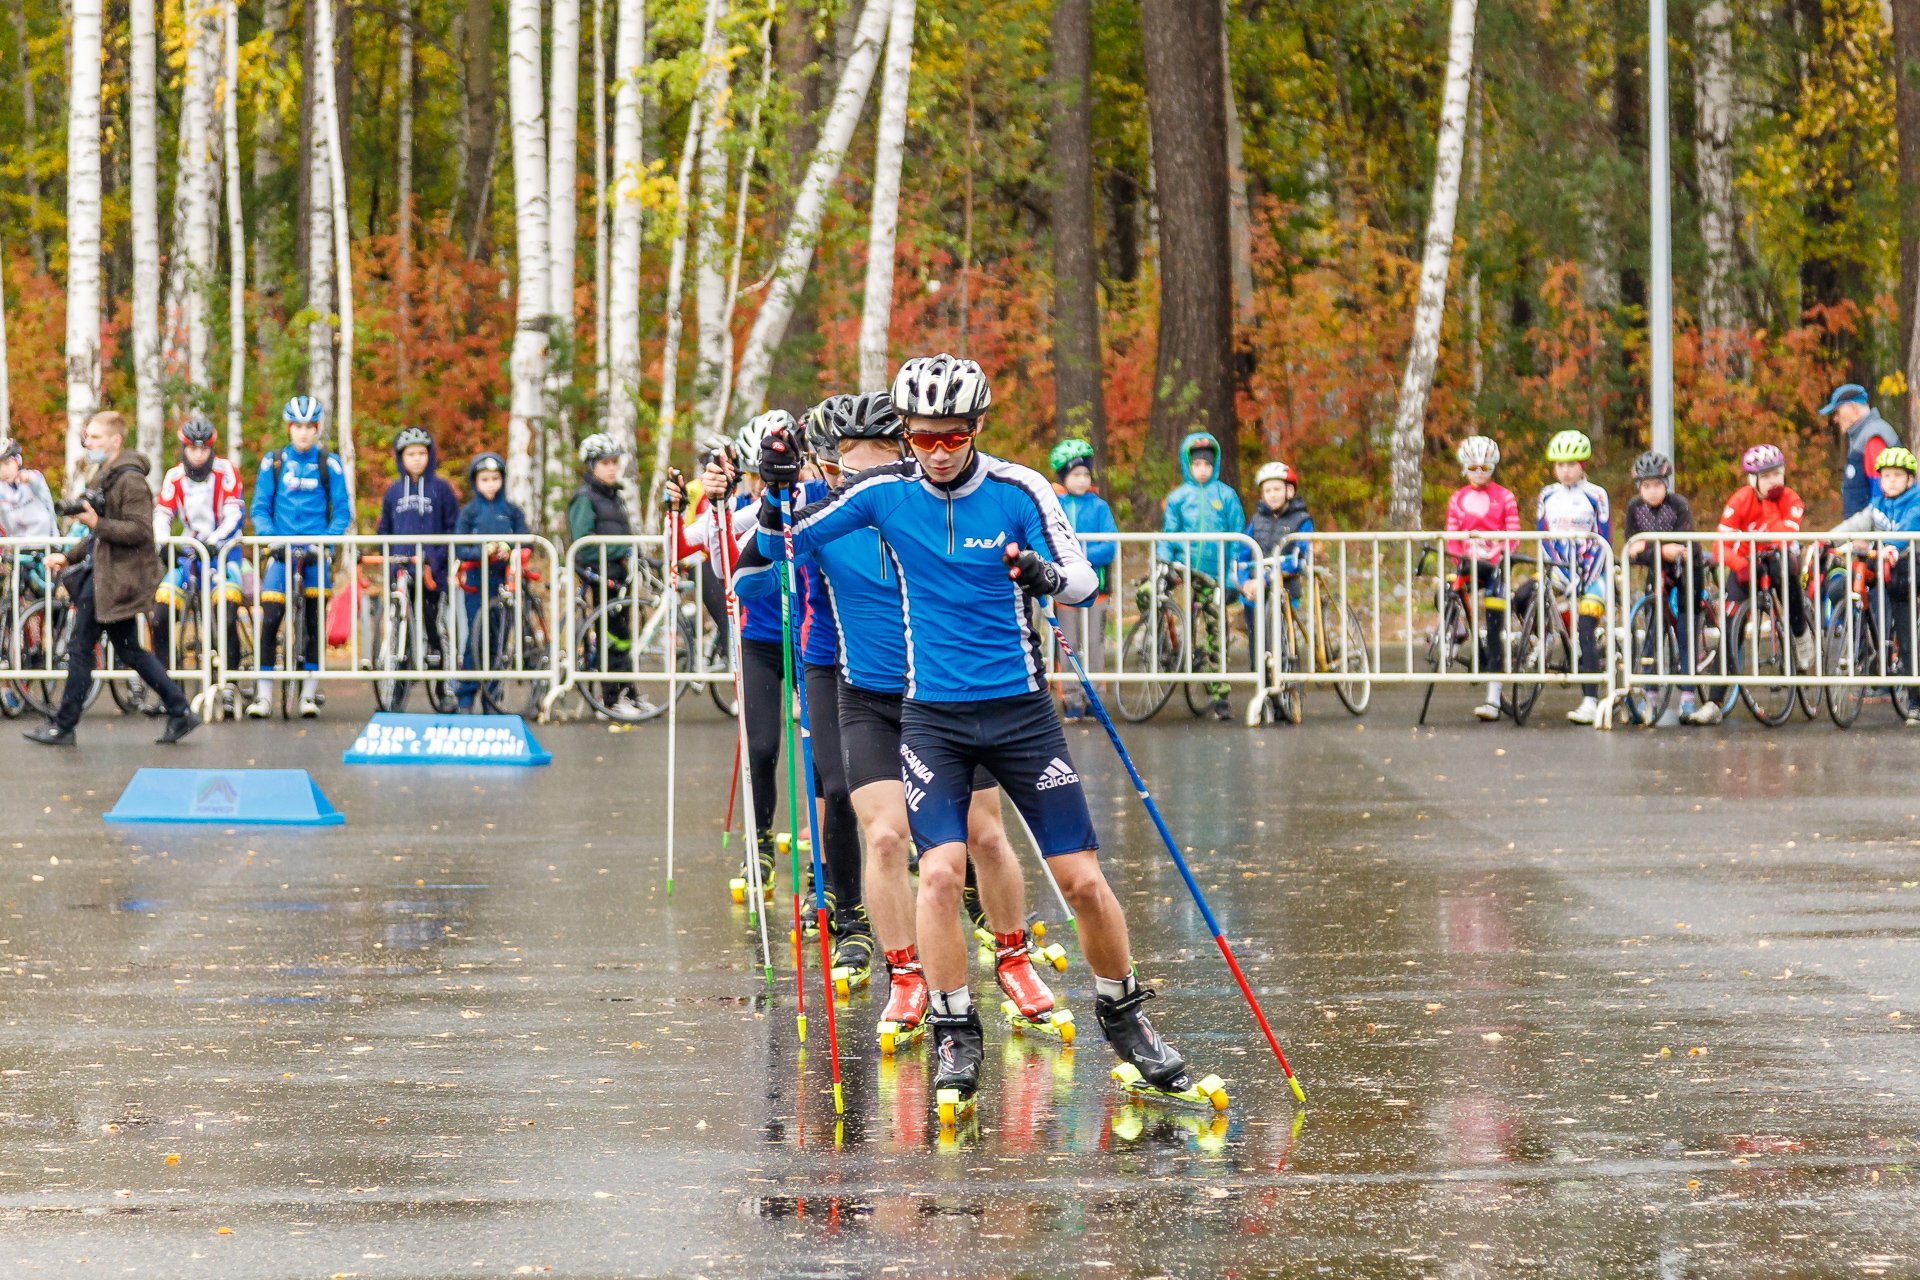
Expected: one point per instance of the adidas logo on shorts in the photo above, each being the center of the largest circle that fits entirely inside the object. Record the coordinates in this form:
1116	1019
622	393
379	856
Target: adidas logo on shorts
1058	773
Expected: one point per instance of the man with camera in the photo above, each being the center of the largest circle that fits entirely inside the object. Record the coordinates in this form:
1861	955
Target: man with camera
110	578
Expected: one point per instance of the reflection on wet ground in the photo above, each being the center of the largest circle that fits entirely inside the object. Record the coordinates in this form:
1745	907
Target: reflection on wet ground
1564	1004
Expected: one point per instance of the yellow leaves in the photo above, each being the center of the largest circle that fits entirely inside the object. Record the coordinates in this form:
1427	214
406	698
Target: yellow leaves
173	1157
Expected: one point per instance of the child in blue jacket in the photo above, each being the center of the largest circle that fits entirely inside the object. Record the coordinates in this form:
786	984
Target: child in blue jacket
486	518
1204	505
1090	517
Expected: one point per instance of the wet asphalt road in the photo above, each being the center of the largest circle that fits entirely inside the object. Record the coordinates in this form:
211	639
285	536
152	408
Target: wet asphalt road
1565	1004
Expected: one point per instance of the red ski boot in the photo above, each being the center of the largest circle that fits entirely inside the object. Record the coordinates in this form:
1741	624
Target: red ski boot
1030	1004
904	1020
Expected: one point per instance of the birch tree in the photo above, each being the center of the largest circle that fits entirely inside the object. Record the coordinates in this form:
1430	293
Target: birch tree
563	147
6	406
403	196
623	259
1410	423
83	225
722	399
599	214
236	234
710	280
143	128
266	138
528	364
677	265
319	179
334	192
198	182
890	145
1714	162
796	250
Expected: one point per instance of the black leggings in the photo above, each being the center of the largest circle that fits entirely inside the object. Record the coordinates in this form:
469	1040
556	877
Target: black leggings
760	707
839	829
271	614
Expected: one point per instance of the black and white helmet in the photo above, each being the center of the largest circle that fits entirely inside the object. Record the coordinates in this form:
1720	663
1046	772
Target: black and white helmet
746	445
411	436
597	446
826	424
871	417
941	386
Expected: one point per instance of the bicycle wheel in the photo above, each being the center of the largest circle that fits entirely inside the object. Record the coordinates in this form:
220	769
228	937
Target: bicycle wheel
518	643
33	641
393	651
1152	647
1343	644
601	652
1760	654
1848	653
1655	652
1290	697
1541	649
720	687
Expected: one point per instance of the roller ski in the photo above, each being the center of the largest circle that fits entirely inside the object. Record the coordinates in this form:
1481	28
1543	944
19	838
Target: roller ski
810	918
1055	954
1150	1067
1029	1005
853	954
904	1020
959	1043
738	885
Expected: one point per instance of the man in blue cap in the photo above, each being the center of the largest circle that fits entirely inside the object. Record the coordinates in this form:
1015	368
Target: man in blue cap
1867	434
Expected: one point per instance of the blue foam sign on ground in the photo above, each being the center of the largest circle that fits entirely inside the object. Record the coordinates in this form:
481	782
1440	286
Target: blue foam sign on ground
393	737
225	797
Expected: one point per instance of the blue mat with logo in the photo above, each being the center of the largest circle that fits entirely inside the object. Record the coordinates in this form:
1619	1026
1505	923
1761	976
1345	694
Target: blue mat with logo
226	797
402	738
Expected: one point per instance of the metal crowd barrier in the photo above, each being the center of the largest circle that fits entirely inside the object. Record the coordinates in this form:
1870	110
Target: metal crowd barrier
36	617
508	656
1406	608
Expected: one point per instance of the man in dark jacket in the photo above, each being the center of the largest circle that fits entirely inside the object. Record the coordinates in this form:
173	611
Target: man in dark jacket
1866	434
112	581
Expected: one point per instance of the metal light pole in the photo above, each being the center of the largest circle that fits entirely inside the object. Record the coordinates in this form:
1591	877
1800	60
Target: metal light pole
1660	308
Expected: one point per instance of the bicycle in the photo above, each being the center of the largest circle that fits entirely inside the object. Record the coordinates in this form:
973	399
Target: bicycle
1327	639
1859	643
1158	643
188	630
1761	621
518	637
1543	645
36	638
399	643
1654	645
1455	629
608	636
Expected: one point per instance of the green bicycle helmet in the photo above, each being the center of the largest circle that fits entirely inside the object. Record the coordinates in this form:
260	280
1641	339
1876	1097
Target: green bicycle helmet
1899	459
1569	446
1071	453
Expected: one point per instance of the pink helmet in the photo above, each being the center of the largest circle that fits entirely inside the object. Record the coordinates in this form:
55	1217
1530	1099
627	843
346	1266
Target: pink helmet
1762	457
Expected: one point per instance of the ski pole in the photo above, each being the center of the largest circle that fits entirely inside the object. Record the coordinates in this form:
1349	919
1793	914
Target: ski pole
813	826
733	792
1166	837
756	902
670	550
793	793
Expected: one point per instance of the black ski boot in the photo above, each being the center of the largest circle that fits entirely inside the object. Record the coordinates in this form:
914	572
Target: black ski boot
1126	1027
853	953
958	1046
738	885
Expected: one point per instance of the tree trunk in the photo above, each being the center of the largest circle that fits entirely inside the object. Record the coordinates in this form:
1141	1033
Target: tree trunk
318	183
144	182
1476	364
6	406
479	139
710	223
266	146
303	223
677	265
198	180
236	233
1906	112
1713	162
723	398
83	226
1409	424
599	216
403	177
1079	407
789	274
877	315
526	112
1239	212
30	130
1186	112
625	215
332	126
563	164
801	63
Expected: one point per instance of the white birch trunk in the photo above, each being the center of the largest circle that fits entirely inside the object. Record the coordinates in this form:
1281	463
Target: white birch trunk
677	275
198	180
1409	424
404	207
320	383
236	234
796	251
83	226
599	215
6	405
1476	363
624	215
143	140
1713	162
890	144
563	162
334	191
710	279
723	398
1239	212
530	210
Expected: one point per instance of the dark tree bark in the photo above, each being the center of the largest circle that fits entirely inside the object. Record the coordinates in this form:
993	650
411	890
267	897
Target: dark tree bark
1186	108
1078	408
1123	235
343	78
1906	114
480	135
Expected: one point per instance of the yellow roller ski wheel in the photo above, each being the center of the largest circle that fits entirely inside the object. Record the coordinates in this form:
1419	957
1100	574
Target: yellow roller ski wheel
1063	1020
1215	1091
1055	955
889	1038
738	888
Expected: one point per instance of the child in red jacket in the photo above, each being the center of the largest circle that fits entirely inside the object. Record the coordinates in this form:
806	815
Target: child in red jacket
1482	507
1766	505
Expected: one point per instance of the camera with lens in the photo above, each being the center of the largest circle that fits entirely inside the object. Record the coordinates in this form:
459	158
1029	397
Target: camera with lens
67	508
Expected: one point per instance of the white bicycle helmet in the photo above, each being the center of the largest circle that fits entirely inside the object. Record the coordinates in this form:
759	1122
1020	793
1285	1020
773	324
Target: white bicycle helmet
1478	451
746	445
941	386
597	446
303	409
1276	471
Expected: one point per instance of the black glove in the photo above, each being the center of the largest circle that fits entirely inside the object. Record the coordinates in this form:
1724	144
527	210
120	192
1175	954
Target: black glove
1036	577
779	459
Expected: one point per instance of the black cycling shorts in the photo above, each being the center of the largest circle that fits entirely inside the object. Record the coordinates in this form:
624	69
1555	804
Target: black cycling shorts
1020	742
870	738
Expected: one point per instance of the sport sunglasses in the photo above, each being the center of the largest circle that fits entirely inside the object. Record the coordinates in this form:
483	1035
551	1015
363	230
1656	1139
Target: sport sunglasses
951	441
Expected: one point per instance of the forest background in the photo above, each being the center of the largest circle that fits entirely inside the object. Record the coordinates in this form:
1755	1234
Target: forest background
1142	216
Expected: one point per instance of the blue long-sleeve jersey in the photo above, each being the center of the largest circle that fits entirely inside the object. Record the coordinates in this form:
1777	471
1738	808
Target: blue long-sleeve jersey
292	496
968	633
760	607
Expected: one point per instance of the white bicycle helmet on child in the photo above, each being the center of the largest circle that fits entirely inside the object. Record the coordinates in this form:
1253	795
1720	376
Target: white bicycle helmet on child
1478	453
597	446
746	445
